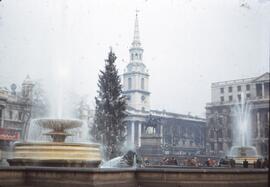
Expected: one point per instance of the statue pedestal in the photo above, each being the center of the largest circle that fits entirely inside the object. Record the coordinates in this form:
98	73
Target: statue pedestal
151	148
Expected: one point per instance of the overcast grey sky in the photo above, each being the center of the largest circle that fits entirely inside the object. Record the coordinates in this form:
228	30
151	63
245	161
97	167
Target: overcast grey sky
188	44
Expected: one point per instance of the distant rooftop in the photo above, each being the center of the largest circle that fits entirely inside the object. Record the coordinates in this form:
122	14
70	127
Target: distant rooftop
165	114
237	81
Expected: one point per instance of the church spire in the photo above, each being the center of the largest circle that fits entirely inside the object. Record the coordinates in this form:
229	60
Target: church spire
136	40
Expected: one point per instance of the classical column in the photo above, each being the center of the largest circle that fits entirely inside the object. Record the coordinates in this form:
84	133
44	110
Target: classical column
140	133
161	133
3	117
262	90
258	125
132	132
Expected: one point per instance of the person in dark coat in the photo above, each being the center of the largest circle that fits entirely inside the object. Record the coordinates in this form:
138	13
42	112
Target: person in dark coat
174	161
245	163
265	163
259	163
232	163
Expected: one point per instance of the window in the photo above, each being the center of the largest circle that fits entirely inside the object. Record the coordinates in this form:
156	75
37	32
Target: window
221	90
247	87
230	98
132	56
10	114
230	89
20	115
229	133
219	133
212	146
259	90
239	88
239	97
212	134
220	146
142	83
266	131
0	114
129	83
248	96
140	56
221	99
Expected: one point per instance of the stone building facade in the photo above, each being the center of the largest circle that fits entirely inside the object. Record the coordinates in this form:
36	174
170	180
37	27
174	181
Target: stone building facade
15	112
178	134
220	114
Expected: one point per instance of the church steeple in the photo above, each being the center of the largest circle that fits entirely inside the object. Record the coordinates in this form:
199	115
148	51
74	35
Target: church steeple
136	51
136	40
135	78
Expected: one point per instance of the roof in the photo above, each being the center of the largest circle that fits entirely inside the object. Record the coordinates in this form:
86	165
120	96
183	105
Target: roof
263	77
164	114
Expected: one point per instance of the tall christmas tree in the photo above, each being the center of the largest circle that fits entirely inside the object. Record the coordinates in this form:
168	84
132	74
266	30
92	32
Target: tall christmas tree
109	128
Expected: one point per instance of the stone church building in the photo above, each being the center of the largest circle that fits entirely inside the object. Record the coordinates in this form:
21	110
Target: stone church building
156	133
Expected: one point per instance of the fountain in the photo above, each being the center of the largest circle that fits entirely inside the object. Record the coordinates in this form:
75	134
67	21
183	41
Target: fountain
58	152
242	148
240	153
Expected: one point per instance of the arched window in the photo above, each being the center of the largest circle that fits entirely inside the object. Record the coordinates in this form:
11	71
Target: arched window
229	133
219	133
142	83
129	83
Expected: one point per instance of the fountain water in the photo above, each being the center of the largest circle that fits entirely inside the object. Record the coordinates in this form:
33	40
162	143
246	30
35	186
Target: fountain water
242	148
242	131
130	159
134	161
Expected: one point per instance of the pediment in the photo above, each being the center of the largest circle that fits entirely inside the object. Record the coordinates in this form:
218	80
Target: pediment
264	77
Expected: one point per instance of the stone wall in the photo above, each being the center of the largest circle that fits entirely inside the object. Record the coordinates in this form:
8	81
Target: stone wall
143	177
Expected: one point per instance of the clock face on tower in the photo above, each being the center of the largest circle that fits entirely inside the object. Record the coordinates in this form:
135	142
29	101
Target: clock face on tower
143	98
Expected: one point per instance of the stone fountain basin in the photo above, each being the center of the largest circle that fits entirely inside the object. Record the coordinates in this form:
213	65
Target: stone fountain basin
241	153
56	154
59	124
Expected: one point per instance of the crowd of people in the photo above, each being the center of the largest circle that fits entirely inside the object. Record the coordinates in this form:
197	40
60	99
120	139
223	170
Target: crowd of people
200	162
194	161
169	161
261	163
